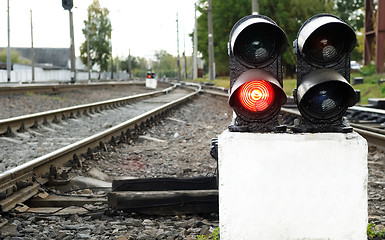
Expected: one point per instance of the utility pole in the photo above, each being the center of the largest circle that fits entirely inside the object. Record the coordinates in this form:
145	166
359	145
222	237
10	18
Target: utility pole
195	60
177	40
88	47
32	51
68	5
9	48
72	48
211	43
184	57
129	63
117	64
254	7
112	61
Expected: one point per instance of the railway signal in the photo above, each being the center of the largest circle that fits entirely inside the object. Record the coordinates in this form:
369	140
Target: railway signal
256	95
150	75
323	92
67	4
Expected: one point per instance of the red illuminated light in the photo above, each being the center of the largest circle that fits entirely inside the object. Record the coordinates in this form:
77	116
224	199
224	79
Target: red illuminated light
256	96
148	76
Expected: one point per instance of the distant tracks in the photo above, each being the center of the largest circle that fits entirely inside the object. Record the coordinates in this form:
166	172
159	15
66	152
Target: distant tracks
19	124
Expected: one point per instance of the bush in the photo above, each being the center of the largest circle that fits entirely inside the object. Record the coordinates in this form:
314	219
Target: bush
213	236
368	70
373	233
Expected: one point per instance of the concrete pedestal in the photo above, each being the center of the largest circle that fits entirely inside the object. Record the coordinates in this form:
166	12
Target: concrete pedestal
292	186
151	83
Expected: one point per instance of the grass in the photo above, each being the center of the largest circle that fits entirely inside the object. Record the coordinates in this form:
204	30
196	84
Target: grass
289	85
219	81
213	236
369	89
373	233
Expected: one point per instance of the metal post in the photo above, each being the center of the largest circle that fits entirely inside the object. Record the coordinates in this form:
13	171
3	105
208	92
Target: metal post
112	66
9	48
88	48
177	40
72	48
380	36
184	58
211	42
32	51
254	7
117	66
195	60
129	63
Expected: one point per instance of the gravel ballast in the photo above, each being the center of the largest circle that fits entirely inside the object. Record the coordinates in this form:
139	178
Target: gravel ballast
177	147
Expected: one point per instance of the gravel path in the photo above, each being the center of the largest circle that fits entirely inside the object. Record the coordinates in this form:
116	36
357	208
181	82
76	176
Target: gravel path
181	149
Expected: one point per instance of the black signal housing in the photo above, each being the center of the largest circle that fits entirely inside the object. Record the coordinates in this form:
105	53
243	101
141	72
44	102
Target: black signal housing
323	92
256	91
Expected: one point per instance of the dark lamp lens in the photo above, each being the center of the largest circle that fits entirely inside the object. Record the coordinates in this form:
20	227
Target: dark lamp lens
324	101
256	96
257	49
327	44
258	44
325	48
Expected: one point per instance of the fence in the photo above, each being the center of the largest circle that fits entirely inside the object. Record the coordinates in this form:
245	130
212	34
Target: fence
25	75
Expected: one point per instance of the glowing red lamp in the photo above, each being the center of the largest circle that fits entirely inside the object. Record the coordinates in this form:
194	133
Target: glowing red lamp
256	96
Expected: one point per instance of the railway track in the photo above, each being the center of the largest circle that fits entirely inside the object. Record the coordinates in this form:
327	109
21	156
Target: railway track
111	221
22	182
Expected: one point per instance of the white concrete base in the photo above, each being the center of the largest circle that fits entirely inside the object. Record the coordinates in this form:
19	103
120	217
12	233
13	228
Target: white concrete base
151	83
292	186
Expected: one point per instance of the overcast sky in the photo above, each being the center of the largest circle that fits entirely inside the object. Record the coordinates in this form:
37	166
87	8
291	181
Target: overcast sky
143	26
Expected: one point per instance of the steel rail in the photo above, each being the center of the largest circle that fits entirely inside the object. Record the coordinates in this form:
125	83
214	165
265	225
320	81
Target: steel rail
372	135
373	138
18	184
9	125
55	87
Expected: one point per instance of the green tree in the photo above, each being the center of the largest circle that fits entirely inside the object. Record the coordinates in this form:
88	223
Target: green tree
225	14
288	14
98	26
15	57
139	66
351	11
165	64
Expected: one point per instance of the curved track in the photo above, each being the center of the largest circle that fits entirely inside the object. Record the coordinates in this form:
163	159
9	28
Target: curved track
19	184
